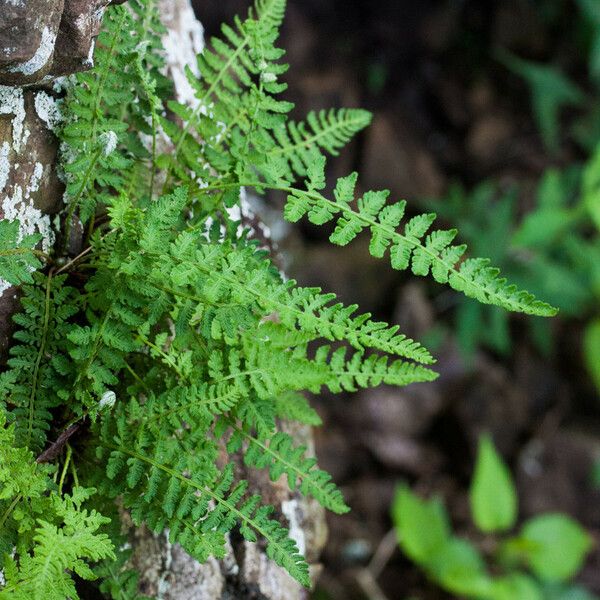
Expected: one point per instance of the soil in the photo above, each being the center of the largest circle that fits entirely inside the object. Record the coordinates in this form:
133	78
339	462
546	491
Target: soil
445	109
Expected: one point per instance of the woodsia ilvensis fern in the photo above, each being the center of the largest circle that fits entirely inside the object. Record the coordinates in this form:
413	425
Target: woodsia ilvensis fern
171	336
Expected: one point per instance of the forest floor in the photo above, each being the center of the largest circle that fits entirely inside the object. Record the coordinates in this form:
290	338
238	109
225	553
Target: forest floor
445	110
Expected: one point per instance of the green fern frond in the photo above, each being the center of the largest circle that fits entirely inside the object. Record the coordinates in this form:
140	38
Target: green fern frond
200	507
293	406
38	383
299	144
100	154
364	372
433	254
218	271
44	574
236	75
281	456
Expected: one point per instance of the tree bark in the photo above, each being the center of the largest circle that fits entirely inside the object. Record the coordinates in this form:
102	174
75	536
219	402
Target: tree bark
33	51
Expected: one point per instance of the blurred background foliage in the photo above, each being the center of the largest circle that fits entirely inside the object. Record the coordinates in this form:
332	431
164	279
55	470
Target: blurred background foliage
488	113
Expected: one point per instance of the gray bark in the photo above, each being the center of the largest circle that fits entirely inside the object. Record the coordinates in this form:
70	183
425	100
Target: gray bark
40	39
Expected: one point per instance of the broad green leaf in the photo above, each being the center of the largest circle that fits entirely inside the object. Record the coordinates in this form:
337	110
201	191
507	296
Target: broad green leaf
591	188
555	546
515	586
591	10
422	525
540	228
458	567
493	496
555	591
591	350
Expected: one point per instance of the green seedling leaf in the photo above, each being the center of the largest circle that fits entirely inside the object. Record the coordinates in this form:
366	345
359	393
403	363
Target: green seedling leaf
566	592
555	546
422	525
515	586
551	91
591	188
493	496
591	350
458	567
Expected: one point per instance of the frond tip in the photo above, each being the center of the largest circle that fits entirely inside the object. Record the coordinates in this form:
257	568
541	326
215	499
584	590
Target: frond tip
300	144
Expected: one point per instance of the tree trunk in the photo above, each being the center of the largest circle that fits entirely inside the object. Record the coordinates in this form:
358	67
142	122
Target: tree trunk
43	39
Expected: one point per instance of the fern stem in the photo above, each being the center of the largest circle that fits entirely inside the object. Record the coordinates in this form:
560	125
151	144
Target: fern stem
9	509
65	469
135	375
164	355
75	201
74	473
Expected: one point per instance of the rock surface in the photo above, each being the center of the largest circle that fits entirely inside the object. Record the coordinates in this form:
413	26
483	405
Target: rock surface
29	187
41	39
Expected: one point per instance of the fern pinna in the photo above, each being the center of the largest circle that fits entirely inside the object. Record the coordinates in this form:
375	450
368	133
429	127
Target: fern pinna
171	340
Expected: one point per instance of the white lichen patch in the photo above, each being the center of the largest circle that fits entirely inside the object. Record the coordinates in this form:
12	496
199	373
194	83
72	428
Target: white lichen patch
62	83
41	57
34	182
8	51
12	102
293	513
82	23
47	110
4	165
89	61
108	400
109	141
19	206
183	41
4	285
16	2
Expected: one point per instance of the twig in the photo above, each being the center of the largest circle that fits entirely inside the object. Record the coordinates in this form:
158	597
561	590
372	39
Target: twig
50	453
384	552
367	577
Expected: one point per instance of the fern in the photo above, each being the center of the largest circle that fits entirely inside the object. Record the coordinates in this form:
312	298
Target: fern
42	574
280	457
171	341
99	151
